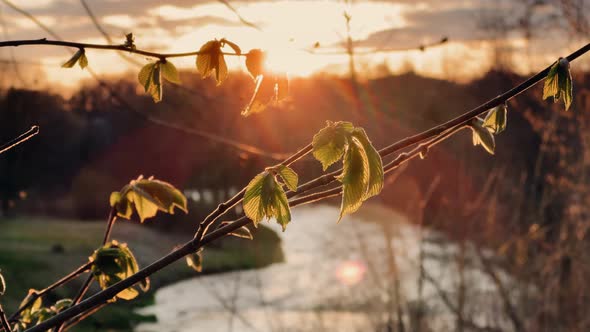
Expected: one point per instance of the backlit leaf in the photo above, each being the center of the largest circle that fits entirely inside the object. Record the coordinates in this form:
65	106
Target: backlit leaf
112	263
145	75
75	58
265	198
558	83
253	205
376	176
330	143
482	136
195	261
210	59
83	62
148	196
281	210
169	72
496	118
289	177
354	178
255	62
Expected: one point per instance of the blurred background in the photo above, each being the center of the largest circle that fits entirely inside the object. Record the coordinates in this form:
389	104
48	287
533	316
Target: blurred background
459	241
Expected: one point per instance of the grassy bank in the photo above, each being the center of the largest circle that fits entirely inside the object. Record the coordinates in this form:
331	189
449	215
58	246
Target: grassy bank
35	252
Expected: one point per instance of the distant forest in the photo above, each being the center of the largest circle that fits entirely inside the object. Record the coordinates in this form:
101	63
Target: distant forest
92	144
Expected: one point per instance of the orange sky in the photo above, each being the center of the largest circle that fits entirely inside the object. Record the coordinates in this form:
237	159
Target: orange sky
286	29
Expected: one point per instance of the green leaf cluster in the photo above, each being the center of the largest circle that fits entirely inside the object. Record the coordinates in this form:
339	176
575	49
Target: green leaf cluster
152	74
483	131
115	262
266	198
79	57
558	83
147	196
362	173
37	313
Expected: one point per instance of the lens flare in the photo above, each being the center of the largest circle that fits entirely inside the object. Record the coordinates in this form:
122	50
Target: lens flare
351	272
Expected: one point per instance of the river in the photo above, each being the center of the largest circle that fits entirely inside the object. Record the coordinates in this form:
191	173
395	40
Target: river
342	276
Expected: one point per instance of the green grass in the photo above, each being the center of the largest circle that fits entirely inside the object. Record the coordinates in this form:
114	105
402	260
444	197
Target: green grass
29	259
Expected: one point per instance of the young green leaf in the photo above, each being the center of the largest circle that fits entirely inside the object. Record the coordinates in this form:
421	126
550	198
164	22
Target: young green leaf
255	62
482	136
78	56
376	176
29	315
151	79
62	304
112	263
354	178
148	196
255	207
211	59
156	89
330	143
289	177
169	72
83	62
558	83
265	198
145	75
495	120
362	175
195	260
281	209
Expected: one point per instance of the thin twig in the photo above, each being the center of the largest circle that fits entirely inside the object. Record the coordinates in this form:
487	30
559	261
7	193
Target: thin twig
106	36
86	285
20	139
121	47
4	320
60	282
82	317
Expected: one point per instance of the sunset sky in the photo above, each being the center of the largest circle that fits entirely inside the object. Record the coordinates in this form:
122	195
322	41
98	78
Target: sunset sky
286	30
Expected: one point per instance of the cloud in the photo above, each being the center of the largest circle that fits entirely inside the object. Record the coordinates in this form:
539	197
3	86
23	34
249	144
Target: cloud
424	26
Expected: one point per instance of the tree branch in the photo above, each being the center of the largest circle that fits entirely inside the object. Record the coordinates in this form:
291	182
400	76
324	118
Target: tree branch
122	47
